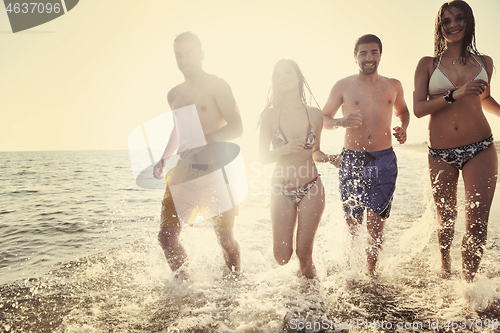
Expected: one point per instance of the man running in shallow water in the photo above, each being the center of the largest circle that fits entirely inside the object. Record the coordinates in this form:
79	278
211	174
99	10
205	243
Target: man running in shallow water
368	169
213	103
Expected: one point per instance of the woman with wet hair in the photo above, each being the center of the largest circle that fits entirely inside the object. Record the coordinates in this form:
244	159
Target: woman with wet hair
290	133
453	88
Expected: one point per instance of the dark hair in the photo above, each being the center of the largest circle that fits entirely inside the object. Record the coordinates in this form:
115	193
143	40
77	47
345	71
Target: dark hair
367	39
469	40
188	36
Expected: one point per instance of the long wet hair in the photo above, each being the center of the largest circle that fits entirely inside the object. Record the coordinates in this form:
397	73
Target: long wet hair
273	99
469	41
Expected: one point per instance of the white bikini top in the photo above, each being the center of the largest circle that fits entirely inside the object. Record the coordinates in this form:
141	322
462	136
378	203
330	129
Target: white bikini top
441	83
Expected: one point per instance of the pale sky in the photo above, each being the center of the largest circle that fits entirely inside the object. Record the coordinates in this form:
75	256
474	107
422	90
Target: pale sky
87	79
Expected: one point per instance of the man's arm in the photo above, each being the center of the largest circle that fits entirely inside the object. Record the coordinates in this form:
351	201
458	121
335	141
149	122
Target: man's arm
318	155
172	145
335	100
229	109
400	111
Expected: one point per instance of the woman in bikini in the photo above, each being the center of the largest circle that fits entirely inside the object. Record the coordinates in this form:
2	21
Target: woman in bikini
293	129
453	88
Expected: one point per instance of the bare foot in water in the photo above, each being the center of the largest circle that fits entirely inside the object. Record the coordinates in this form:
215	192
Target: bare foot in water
308	271
445	275
230	275
181	275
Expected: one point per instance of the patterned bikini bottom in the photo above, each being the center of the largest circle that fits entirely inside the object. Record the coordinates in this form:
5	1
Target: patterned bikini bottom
458	156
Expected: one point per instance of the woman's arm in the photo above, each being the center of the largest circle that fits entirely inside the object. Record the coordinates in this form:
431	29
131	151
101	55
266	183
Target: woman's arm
487	101
422	106
267	156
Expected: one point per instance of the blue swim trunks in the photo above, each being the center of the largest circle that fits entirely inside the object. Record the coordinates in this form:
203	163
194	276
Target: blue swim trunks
367	180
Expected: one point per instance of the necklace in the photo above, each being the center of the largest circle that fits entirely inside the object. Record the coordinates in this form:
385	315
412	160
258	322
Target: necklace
454	62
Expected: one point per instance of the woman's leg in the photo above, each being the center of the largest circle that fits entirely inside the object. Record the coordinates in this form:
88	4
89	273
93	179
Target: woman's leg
310	211
480	178
283	218
444	179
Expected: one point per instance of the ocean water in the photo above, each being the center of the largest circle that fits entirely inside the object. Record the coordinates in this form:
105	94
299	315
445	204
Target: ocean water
78	253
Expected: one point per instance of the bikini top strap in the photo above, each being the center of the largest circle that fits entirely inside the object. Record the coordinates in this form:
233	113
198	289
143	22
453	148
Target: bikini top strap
439	62
307	113
473	57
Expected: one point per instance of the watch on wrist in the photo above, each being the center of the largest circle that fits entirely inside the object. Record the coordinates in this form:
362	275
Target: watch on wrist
448	96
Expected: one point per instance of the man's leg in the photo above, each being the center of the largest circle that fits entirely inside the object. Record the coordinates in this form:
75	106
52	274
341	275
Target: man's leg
223	226
353	227
375	228
174	251
170	230
350	178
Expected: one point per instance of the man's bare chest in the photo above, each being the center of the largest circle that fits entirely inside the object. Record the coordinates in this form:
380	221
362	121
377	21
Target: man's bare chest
204	102
359	97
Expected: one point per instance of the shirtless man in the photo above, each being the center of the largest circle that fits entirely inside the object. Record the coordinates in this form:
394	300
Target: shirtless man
368	169
211	101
